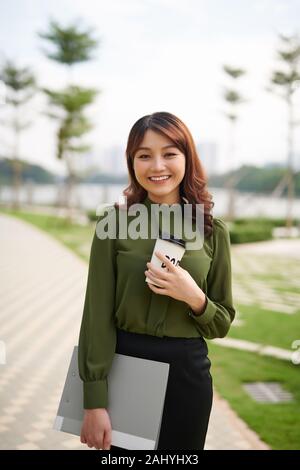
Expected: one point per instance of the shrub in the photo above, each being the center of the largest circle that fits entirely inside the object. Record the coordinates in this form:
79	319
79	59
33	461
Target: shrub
263	221
248	233
92	216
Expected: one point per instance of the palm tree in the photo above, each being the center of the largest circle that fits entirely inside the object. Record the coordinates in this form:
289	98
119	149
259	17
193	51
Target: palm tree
69	106
233	99
286	80
71	45
20	86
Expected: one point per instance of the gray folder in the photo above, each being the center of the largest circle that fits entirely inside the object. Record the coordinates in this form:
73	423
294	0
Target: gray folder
136	392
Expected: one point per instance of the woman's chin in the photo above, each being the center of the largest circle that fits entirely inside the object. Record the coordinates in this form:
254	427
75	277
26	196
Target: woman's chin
159	191
160	188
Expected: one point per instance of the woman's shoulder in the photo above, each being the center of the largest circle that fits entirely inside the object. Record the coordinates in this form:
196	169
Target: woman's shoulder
220	231
221	236
220	226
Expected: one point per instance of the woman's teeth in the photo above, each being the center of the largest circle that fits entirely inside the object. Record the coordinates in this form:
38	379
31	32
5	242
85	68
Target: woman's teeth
159	178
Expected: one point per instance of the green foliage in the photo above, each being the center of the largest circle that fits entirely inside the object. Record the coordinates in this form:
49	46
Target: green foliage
285	79
262	221
231	95
233	72
20	86
73	124
254	179
30	171
248	233
19	81
290	57
72	99
71	45
92	215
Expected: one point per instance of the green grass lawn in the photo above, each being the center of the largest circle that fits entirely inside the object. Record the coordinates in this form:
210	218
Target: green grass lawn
266	327
277	424
291	289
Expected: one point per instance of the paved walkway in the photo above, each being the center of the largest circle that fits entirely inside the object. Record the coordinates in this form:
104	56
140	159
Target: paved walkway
42	287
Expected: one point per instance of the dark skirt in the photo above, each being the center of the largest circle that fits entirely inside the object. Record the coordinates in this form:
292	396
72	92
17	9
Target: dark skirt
189	392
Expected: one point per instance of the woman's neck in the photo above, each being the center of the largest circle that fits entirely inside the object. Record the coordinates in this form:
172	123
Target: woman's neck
165	199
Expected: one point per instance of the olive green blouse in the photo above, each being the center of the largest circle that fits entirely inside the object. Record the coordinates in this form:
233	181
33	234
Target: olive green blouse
118	296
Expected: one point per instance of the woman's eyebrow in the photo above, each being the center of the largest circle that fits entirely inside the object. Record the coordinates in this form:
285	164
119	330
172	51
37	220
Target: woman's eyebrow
148	148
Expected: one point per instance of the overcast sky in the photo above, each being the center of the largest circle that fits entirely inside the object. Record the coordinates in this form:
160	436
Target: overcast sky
160	55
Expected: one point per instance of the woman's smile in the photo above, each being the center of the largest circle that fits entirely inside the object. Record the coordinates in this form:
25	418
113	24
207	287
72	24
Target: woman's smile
159	179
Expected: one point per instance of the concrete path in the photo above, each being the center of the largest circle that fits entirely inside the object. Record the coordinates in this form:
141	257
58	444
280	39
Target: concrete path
42	287
278	353
278	247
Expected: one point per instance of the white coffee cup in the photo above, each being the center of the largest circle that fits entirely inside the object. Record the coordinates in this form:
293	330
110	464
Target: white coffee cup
173	248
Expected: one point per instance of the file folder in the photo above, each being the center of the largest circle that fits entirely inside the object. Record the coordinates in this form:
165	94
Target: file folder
136	394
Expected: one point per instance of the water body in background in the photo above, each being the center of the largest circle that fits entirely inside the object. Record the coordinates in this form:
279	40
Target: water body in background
89	196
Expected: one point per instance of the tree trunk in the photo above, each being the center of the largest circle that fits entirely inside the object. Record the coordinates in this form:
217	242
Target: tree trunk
17	168
290	169
229	184
70	187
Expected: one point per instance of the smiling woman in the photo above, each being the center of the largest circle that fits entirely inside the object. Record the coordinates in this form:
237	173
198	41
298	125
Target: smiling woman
161	145
159	167
168	319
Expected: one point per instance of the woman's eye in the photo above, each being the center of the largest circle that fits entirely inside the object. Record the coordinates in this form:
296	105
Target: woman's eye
143	157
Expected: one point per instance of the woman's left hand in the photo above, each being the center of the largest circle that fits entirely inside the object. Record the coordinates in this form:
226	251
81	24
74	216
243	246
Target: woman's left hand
176	282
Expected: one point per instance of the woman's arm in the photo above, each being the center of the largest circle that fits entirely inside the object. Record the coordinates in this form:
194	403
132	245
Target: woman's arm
97	338
219	312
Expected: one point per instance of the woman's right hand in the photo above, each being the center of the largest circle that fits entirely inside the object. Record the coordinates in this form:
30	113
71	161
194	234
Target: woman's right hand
96	429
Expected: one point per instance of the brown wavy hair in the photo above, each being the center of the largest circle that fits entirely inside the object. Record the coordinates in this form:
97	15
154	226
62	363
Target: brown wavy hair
194	184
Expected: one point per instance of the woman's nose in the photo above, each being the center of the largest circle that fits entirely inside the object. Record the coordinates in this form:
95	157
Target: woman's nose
158	164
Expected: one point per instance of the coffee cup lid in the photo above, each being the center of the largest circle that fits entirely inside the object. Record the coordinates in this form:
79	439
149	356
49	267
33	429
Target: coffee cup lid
171	238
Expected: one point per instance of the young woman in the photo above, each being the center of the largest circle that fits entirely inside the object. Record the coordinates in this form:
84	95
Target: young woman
170	320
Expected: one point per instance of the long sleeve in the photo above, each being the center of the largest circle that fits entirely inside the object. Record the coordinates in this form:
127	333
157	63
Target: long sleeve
219	312
97	338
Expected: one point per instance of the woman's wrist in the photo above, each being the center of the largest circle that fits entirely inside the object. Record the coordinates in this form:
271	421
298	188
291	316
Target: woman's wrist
198	302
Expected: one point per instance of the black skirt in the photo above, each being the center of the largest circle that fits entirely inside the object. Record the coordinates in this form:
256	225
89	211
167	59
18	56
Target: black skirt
189	393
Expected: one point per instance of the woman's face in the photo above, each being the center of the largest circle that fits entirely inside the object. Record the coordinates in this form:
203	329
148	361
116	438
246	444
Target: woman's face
159	158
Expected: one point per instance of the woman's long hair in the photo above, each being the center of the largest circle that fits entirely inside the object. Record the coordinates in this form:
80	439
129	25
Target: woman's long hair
194	184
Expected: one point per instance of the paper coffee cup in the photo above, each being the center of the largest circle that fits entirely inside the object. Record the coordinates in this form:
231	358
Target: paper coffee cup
173	248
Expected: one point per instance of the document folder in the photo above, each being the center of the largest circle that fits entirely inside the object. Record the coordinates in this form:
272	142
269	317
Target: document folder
136	395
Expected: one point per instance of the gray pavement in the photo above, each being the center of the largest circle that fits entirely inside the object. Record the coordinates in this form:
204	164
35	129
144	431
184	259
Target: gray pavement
42	287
